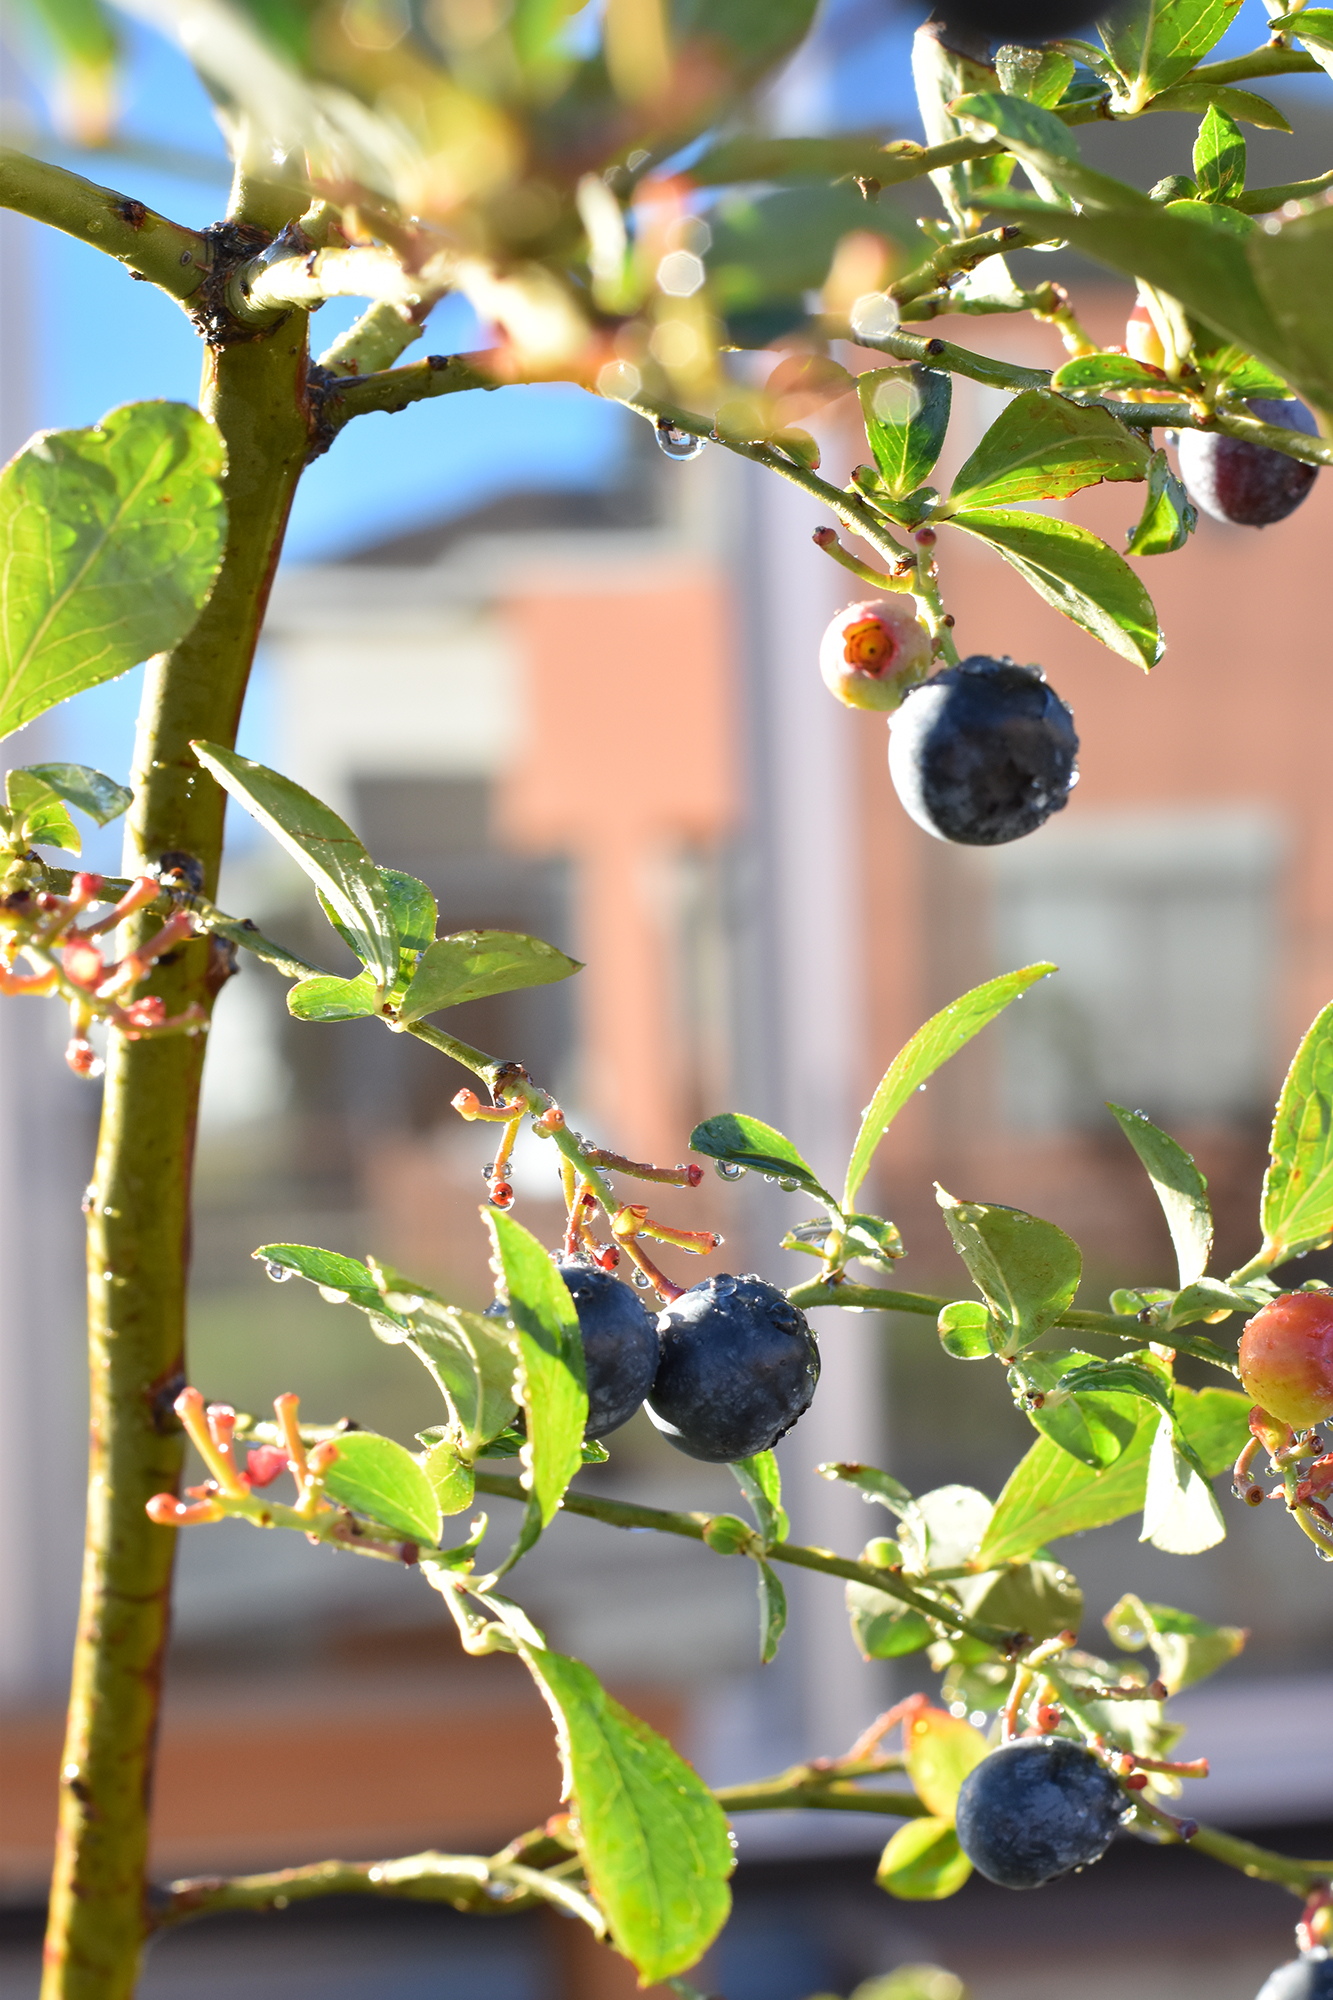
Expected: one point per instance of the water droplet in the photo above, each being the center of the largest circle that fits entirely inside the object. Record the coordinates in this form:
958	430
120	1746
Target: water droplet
728	1170
332	1296
488	1170
675	442
920	1087
770	1180
642	1280
788	1185
278	1272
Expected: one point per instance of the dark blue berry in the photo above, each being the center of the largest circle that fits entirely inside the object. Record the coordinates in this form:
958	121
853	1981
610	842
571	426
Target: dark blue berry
1036	1808
982	752
1247	483
739	1366
1309	1977
620	1349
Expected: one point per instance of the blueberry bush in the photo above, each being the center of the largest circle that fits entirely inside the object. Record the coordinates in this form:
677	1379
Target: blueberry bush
600	187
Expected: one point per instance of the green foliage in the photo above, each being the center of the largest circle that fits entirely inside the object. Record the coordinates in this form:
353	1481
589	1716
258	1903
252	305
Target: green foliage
923	1862
761	1483
1179	1187
1219	156
474	964
1076	572
941	1749
555	1396
324	846
1169	516
652	1837
80	786
1154	42
1027	1270
1188	1649
378	1478
110	540
1044	448
748	1142
1297	1208
1096	1424
929	1048
906	413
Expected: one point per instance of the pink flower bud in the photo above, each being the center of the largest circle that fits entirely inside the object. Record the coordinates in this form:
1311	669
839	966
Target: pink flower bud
871	653
87	888
263	1464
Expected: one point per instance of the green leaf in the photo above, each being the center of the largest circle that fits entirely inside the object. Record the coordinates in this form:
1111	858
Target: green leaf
1027	1270
942	75
323	845
1101	372
1169	516
944	1528
1039	75
1237	104
40	818
475	1362
1040	1600
772	1612
1154	42
414	914
761	1483
1125	1378
90	791
376	1477
1077	573
332	1272
872	1240
452	1479
749	1142
555	1396
1180	1510
1188	1649
325	998
930	1047
1179	1187
964	1327
652	1837
1312	24
1096	1425
906	413
110	539
1043	447
883	1628
1296	1212
1219	156
81	32
940	1750
923	1862
873	1485
470	965
1050	1494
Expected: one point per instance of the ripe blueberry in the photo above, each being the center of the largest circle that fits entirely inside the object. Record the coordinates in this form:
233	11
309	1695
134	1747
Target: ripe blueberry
983	752
1036	1808
1309	1977
1247	483
870	653
739	1366
620	1347
1286	1358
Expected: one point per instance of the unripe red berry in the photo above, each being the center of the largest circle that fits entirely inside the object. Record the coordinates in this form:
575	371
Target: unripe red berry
1286	1358
872	652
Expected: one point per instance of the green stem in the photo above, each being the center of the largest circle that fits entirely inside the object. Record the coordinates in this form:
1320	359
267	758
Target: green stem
393	389
1269	61
374	341
138	1224
173	258
628	1514
464	1881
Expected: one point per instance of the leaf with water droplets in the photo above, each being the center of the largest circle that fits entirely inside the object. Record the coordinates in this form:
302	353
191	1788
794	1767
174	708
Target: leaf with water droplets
376	1477
471	965
738	1140
1179	1187
1027	1270
930	1047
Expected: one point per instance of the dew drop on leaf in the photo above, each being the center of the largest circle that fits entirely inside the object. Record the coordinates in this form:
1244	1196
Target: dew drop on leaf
278	1272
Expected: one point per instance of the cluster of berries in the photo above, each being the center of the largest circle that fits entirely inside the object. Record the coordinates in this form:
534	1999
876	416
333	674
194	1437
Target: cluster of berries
725	1370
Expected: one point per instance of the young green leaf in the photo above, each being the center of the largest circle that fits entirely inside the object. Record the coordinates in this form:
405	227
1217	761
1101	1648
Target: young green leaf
1296	1211
1179	1187
906	412
1188	1649
923	1862
326	998
555	1396
943	74
1125	1378
378	1478
414	914
475	1362
761	1483
872	1240
1077	573
474	964
882	1627
452	1479
1095	1425
110	539
940	1751
1098	373
1027	1270
1312	24
772	1612
930	1047
964	1327
40	817
748	1142
1040	1599
1154	42
92	792
1169	516
323	845
944	1528
1219	156
1050	1494
1180	1510
332	1272
1192	95
652	1837
1043	447
1039	75
873	1485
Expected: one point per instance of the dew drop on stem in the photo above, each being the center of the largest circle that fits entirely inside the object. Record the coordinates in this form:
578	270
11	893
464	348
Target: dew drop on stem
642	1280
676	443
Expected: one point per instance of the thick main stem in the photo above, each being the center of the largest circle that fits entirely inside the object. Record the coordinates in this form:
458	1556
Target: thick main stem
139	1219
